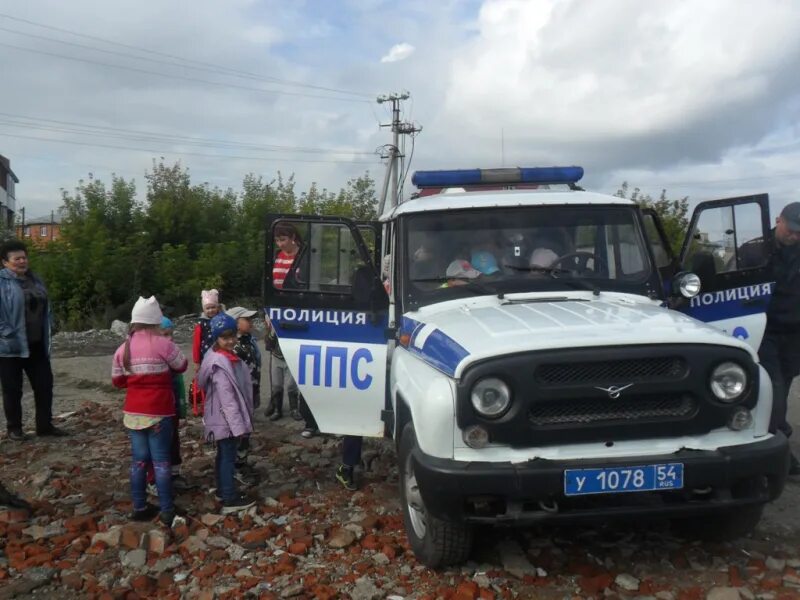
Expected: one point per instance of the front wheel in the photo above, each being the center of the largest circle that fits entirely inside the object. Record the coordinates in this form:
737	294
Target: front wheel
435	542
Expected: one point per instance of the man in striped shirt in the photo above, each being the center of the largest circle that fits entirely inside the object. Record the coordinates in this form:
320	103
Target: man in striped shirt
288	242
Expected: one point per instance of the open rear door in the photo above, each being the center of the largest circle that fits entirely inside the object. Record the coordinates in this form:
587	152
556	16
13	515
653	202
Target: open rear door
728	245
330	317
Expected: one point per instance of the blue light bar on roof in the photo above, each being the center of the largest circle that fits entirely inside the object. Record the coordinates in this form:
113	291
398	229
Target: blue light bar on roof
460	177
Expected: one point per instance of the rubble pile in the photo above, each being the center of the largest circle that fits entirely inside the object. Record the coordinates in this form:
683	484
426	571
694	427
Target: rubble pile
100	342
309	538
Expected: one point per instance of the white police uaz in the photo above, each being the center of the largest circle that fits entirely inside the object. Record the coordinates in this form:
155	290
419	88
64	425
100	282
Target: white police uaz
537	353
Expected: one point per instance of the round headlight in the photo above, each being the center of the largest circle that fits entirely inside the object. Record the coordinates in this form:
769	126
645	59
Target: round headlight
728	381
490	396
689	285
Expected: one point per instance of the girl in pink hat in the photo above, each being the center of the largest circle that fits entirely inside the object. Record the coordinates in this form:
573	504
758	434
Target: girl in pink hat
202	340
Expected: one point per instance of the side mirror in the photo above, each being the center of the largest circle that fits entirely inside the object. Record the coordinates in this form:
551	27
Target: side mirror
686	284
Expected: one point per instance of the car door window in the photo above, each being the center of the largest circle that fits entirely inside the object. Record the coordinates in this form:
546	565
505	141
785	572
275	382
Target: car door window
727	239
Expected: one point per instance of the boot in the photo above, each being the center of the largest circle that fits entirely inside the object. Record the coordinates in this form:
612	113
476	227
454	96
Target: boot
294	406
276	404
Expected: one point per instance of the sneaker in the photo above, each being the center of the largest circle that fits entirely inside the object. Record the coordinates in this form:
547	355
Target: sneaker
52	431
145	514
166	518
276	416
344	475
295	414
152	489
309	432
17	435
235	505
794	465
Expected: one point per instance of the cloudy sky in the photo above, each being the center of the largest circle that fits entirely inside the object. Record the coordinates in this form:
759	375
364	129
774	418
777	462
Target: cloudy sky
701	98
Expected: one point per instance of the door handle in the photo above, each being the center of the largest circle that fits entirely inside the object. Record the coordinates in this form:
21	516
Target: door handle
292	326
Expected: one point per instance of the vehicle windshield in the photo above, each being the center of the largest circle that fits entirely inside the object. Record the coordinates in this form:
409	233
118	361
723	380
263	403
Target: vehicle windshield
472	252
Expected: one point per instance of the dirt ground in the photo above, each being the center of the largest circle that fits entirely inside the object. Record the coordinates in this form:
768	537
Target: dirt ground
87	474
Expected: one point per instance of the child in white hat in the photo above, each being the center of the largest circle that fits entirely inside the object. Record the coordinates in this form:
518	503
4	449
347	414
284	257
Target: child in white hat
144	365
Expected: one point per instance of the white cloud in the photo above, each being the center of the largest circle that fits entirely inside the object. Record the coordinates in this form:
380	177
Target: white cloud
398	52
682	95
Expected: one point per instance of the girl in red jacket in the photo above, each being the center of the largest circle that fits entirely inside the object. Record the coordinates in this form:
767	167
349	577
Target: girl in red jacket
144	365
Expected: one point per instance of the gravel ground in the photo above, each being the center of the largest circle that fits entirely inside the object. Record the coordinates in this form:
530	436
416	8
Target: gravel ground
306	513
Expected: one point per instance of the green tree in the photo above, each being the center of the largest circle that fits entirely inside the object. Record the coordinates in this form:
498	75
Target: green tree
673	213
182	237
356	200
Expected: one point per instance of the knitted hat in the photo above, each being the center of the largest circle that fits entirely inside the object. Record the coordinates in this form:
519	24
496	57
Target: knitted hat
220	323
146	311
166	323
484	261
209	297
543	257
461	269
791	215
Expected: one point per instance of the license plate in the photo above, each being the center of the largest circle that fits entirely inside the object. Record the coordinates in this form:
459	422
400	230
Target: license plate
646	478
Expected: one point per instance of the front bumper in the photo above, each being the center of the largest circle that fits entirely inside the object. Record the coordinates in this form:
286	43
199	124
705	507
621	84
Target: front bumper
484	492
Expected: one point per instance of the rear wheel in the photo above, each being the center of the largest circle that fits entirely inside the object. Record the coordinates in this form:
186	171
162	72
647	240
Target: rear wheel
725	526
435	542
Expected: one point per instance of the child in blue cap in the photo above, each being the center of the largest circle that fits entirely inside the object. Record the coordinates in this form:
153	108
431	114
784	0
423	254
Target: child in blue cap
228	414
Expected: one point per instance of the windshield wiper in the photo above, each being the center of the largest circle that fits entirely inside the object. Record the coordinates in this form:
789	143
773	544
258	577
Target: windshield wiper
584	284
536	269
555	271
474	284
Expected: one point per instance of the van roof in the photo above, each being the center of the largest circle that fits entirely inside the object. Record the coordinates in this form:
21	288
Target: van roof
456	200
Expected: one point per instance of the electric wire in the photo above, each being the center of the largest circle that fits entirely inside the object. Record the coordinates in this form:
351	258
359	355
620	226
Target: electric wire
130	134
209	66
183	77
183	152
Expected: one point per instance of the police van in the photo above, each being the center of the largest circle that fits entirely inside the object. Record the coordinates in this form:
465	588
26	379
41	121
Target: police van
537	353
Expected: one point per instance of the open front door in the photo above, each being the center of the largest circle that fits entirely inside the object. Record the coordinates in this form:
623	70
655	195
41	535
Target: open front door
728	245
330	314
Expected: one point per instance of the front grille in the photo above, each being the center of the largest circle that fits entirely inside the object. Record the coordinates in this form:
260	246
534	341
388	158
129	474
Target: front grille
591	411
613	371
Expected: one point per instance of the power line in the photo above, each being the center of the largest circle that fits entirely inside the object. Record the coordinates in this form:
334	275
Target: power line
116	132
181	77
181	152
208	66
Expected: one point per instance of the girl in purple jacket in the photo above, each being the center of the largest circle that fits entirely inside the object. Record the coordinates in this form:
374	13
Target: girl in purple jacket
228	413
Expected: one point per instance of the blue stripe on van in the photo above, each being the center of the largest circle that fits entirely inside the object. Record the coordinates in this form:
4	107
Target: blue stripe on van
439	350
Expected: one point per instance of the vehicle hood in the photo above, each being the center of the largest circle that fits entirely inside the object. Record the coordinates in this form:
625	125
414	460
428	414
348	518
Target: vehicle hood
451	335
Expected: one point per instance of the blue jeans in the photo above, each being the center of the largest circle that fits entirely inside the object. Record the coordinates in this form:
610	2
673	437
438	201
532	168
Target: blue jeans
152	445
225	468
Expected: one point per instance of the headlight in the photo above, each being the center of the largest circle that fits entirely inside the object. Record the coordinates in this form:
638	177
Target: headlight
688	285
728	381
490	396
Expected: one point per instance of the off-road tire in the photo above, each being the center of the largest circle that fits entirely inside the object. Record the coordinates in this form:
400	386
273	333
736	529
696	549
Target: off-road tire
444	542
724	526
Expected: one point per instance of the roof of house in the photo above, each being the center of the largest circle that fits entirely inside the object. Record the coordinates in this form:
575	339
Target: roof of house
7	166
55	218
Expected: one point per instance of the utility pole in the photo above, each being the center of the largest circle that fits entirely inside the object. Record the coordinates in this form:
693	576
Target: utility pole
393	172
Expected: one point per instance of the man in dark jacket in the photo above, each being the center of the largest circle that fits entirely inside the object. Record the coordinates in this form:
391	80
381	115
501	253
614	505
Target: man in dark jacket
780	349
